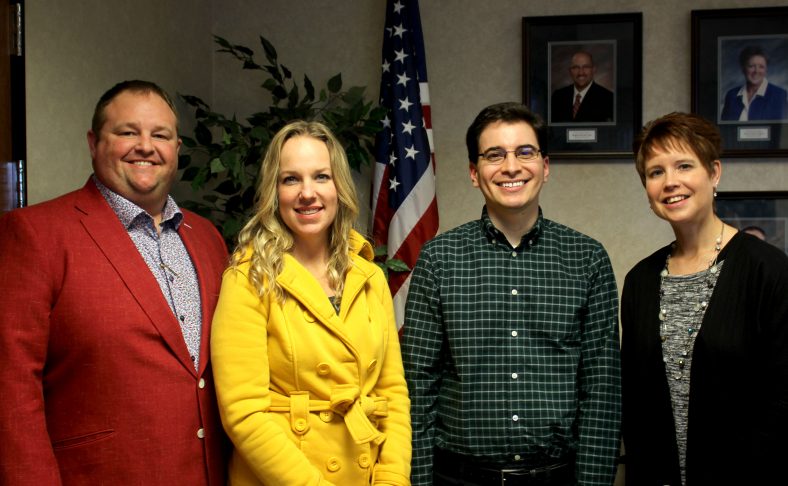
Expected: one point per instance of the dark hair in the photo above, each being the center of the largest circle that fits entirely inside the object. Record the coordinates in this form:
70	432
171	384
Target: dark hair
509	112
585	53
748	52
678	131
135	86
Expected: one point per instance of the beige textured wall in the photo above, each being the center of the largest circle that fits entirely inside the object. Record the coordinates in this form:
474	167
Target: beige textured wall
77	50
473	53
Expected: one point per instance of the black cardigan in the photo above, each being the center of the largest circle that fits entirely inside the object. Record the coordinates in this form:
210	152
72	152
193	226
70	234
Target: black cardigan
738	403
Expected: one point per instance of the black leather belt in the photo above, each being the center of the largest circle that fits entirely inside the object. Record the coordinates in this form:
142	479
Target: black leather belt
462	469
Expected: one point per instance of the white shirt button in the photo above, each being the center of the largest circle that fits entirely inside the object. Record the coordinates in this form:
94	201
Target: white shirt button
201	383
514	253
517	457
514	333
514	376
200	433
514	291
515	418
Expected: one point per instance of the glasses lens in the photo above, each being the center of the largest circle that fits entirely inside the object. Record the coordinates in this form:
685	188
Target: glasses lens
494	155
526	152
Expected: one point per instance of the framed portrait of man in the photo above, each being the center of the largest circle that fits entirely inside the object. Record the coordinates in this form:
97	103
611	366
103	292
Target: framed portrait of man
740	77
583	75
582	80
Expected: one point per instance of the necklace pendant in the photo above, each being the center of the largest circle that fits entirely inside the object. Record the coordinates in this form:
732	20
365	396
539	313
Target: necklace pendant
690	330
681	363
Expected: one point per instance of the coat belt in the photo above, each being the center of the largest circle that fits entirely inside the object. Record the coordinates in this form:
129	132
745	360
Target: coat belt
345	400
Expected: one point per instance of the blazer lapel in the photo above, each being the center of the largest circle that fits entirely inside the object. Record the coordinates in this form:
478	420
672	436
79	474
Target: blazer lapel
105	229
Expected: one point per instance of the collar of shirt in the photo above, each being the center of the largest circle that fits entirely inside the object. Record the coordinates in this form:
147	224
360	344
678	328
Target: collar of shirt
761	90
128	212
495	236
582	92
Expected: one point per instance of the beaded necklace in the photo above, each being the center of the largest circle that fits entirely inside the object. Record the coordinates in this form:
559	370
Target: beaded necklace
693	328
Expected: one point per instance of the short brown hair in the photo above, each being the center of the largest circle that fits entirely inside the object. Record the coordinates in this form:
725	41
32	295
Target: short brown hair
134	86
678	131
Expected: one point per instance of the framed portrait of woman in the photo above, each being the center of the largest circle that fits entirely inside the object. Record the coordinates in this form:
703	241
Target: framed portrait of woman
740	77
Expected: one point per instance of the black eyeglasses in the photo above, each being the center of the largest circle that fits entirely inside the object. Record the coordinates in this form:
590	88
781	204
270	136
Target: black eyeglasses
522	153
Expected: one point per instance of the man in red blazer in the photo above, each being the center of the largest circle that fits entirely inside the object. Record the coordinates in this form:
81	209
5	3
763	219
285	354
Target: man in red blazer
106	299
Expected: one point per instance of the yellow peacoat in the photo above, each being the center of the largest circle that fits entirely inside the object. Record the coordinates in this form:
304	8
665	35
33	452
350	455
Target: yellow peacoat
307	396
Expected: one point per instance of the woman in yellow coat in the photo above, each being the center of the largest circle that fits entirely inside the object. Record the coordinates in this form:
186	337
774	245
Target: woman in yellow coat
304	347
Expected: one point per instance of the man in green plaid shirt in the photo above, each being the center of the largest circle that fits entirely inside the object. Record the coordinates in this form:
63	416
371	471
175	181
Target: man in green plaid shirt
511	342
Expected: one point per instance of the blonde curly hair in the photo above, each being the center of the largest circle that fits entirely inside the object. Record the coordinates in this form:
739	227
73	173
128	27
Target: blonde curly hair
265	239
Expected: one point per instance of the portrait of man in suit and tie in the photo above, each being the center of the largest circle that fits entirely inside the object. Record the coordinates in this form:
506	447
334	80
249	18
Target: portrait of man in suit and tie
585	99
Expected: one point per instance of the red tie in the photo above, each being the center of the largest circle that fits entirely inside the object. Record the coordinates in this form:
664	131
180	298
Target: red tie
576	106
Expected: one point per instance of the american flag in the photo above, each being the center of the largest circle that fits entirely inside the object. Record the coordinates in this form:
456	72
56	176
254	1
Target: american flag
405	211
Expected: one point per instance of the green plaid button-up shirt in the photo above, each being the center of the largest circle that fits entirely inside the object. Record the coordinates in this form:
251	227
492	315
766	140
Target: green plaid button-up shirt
512	354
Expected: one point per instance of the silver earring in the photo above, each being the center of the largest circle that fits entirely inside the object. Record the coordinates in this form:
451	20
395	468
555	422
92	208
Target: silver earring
715	191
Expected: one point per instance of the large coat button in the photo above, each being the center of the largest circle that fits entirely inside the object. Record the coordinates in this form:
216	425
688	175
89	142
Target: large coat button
326	416
333	464
372	365
323	369
364	460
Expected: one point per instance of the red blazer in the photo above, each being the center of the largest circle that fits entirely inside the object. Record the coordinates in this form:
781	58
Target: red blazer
97	384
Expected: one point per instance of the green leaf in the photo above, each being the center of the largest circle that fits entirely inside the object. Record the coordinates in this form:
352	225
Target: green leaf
202	134
381	250
216	166
354	95
199	178
226	187
279	93
309	88
259	133
230	160
231	227
222	42
244	50
188	142
292	97
249	64
184	160
193	101
190	173
270	52
286	72
397	265
335	83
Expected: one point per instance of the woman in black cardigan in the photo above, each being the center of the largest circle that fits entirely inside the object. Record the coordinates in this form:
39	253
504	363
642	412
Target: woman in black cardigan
705	329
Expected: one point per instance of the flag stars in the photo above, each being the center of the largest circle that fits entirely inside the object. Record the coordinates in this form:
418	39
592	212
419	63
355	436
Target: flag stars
397	7
399	30
403	79
392	159
405	104
393	184
386	121
386	66
411	152
400	55
408	127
